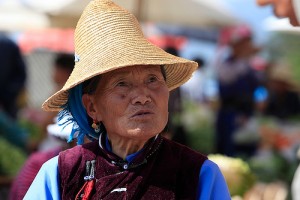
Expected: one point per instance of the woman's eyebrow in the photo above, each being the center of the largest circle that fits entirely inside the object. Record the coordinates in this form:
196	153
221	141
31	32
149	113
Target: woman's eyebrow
126	73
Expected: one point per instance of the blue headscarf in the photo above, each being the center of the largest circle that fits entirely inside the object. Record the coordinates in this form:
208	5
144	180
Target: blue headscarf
74	112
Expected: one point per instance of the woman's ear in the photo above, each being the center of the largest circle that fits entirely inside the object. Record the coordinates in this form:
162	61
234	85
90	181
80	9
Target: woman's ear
89	106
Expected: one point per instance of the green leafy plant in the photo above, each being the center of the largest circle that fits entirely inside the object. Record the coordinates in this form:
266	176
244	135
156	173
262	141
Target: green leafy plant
11	158
198	121
237	173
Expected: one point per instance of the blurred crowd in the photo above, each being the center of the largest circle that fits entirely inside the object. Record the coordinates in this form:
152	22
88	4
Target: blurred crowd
26	143
251	112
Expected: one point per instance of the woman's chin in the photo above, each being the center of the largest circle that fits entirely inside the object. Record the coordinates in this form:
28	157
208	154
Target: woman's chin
143	134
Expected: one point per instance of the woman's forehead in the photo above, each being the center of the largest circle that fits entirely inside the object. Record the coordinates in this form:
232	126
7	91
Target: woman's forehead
137	68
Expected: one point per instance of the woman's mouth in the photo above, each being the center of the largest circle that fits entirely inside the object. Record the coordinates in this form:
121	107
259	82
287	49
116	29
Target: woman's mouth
142	113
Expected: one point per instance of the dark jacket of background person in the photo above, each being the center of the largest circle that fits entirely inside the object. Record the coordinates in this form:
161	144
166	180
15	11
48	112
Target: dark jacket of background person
237	82
12	84
63	65
12	76
283	101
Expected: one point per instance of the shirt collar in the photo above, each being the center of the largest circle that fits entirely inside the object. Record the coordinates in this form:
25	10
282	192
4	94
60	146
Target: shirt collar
107	146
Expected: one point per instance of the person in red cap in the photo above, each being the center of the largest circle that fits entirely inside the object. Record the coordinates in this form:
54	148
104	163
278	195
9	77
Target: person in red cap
237	82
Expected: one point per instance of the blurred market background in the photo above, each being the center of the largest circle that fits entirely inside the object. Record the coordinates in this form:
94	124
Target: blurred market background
241	106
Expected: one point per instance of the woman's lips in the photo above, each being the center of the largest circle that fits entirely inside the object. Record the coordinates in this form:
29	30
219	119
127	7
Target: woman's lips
142	113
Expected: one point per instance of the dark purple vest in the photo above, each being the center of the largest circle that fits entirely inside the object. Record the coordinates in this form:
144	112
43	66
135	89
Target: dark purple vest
163	170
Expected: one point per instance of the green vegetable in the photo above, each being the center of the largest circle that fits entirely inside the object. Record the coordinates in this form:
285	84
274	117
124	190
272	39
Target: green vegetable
237	173
11	158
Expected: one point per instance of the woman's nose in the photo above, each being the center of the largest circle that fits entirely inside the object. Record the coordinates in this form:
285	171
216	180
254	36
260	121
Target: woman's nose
140	95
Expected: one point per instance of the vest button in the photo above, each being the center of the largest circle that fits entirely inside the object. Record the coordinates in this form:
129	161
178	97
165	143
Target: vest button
125	166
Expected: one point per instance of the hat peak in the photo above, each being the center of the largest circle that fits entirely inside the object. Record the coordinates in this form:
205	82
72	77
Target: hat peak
104	3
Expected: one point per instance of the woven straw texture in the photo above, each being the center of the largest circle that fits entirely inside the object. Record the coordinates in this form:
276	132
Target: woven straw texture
108	37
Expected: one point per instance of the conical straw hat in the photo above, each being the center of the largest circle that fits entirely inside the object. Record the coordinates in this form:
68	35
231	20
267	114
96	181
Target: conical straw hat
108	37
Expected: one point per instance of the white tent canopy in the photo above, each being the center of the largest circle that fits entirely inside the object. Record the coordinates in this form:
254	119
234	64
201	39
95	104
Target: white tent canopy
181	12
14	17
177	12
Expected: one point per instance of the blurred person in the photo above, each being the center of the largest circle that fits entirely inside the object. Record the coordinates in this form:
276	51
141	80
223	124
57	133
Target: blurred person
284	8
12	81
283	100
237	82
117	96
12	77
62	68
33	164
12	136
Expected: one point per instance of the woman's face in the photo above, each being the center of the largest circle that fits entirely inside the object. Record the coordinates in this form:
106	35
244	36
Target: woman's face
131	102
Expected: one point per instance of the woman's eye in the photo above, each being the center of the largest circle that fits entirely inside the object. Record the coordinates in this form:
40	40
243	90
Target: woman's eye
152	79
122	83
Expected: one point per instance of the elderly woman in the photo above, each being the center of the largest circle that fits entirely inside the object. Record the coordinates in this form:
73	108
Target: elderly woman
117	95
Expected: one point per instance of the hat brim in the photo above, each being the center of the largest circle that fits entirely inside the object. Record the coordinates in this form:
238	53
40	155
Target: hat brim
178	71
107	38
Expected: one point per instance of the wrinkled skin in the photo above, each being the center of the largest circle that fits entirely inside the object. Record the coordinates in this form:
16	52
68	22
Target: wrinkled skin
132	104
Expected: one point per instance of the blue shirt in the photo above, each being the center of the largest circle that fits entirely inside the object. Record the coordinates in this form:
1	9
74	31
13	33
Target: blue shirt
45	186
